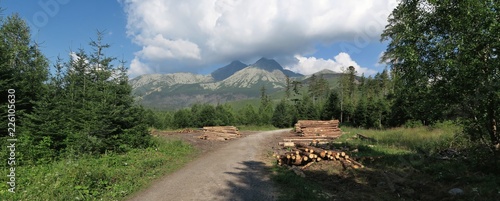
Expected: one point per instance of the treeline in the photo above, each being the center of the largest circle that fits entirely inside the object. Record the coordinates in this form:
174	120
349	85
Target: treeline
82	106
358	101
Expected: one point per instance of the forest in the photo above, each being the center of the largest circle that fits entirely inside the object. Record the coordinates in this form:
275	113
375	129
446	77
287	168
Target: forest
358	101
442	66
78	106
85	107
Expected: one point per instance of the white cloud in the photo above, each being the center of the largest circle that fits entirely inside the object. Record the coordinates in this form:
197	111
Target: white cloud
191	34
310	65
159	48
138	68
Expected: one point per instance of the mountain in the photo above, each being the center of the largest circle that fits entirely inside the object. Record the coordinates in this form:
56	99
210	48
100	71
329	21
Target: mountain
251	76
233	82
228	70
325	73
267	64
149	83
271	64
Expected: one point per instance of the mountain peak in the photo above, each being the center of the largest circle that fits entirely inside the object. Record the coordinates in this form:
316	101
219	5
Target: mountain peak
226	71
237	62
325	71
267	64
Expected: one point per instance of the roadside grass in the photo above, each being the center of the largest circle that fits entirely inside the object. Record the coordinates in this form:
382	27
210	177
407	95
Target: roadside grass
108	177
400	164
295	188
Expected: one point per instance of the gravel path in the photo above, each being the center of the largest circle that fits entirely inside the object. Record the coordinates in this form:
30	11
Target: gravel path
235	171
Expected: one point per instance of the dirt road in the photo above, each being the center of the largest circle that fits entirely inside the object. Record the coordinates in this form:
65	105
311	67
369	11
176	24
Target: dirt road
233	172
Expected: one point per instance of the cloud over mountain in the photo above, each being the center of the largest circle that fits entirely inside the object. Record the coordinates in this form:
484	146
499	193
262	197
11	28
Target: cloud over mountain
310	65
186	35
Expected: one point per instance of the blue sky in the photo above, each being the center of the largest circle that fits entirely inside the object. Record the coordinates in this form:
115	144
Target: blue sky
166	36
73	24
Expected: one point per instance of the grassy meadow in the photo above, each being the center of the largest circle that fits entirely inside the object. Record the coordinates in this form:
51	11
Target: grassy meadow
107	177
419	163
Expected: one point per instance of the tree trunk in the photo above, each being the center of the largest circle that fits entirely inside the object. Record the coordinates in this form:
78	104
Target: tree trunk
493	131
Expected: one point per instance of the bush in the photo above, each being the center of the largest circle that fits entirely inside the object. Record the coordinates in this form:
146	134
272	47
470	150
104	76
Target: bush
413	124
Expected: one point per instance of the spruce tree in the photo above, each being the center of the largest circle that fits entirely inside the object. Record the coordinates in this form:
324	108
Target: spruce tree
265	108
23	68
281	116
331	109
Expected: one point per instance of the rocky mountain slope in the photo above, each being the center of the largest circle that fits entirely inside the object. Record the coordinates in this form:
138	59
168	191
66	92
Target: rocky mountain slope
235	81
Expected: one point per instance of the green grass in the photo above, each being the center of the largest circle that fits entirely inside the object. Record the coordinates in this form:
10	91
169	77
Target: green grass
295	188
109	177
427	139
411	153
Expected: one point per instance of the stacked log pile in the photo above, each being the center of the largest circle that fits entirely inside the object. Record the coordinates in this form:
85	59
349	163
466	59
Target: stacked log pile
186	130
313	128
220	133
305	155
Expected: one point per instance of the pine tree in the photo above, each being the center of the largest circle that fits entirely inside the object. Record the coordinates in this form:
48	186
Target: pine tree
361	114
306	109
265	108
249	116
23	68
331	108
347	87
281	117
296	87
288	87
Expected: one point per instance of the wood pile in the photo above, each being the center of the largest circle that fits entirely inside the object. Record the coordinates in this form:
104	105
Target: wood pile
314	128
186	130
305	155
219	133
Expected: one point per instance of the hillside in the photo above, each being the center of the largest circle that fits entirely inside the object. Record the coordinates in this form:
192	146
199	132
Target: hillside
235	82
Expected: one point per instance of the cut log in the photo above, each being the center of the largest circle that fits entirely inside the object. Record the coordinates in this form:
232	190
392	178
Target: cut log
305	158
356	163
305	155
298	160
287	144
